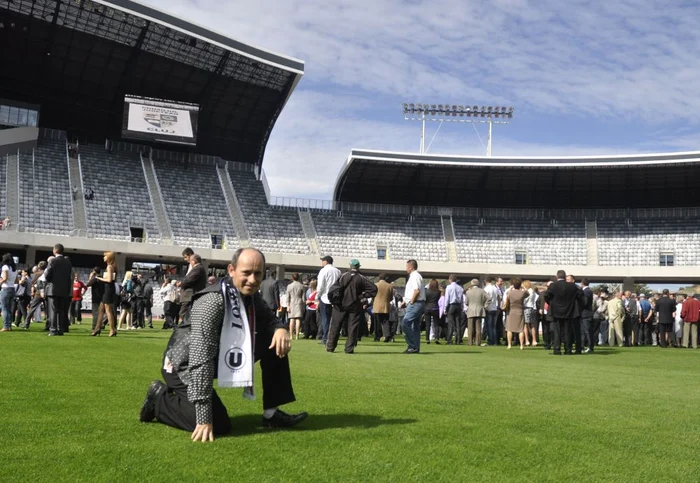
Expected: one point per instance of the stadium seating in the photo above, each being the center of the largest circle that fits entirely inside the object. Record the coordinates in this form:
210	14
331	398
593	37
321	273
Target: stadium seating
497	241
361	234
272	229
188	189
121	196
45	194
642	242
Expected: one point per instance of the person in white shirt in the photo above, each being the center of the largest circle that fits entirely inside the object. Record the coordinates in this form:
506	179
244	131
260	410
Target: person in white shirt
414	300
8	277
494	302
327	276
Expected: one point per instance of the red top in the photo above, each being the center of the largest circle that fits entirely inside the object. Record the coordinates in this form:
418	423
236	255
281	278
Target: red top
311	301
690	311
78	288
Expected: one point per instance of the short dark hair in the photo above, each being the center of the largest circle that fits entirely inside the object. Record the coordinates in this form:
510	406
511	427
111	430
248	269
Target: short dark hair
452	278
516	283
96	269
59	248
489	279
561	274
666	291
295	277
382	276
197	258
237	254
413	263
187	252
433	285
584	282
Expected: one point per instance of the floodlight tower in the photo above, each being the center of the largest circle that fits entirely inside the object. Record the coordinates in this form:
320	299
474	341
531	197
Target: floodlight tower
450	113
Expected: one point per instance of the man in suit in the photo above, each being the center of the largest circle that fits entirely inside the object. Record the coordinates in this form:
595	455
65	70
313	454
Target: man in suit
148	304
381	308
270	291
476	299
563	298
666	310
194	281
59	289
355	288
616	317
588	329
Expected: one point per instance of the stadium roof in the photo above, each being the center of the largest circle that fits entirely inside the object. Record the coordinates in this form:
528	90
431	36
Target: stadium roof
79	58
648	180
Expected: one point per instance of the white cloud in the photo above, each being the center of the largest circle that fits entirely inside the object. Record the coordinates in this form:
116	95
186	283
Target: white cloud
627	59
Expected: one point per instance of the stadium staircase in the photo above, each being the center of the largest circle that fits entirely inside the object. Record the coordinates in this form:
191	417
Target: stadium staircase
234	208
592	243
75	177
449	232
156	195
307	224
12	205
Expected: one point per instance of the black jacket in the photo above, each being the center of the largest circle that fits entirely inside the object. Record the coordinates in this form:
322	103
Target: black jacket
564	300
193	282
59	278
270	292
148	295
587	303
356	288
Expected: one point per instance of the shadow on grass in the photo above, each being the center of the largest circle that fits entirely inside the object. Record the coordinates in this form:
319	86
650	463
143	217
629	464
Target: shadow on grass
251	423
420	354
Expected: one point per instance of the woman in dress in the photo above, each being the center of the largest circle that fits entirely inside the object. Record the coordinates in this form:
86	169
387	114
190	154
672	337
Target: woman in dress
109	297
8	277
295	300
515	321
531	322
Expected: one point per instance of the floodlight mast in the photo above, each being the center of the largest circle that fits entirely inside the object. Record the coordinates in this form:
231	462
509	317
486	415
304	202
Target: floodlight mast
450	113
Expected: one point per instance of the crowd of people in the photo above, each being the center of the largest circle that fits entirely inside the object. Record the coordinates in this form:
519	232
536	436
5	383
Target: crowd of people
513	313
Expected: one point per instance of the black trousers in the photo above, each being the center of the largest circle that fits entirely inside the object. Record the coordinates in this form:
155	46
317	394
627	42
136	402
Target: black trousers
57	313
454	314
34	311
589	334
663	330
575	333
174	409
381	323
169	314
21	306
642	333
338	319
308	324
547	333
75	312
432	321
562	332
148	314
138	314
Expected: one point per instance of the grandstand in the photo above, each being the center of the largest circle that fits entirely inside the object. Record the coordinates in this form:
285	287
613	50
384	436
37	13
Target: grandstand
91	62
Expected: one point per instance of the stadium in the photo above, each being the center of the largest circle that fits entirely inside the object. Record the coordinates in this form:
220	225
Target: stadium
127	129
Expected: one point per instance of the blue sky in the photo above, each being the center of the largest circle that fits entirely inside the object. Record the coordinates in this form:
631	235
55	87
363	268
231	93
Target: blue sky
584	77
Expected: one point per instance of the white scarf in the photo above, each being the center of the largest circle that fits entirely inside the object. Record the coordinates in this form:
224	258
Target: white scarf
236	357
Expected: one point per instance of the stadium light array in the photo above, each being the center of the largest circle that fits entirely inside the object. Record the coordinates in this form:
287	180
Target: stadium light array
457	113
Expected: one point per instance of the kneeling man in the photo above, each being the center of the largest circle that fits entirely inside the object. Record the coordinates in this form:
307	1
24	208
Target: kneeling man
230	328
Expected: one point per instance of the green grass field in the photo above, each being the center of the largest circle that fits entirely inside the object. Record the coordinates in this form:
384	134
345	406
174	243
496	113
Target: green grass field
69	412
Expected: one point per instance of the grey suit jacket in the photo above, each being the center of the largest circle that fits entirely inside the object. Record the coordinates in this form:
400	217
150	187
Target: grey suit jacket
59	278
476	299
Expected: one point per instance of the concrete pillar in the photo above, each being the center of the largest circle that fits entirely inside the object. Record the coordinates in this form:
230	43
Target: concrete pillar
628	284
121	265
279	272
30	259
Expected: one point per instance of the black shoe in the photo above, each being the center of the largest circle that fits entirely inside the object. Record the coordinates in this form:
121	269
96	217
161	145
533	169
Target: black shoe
148	409
437	342
283	420
556	353
330	350
410	351
350	352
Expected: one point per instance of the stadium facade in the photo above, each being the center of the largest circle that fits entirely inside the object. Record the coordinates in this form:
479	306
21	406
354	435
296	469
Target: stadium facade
165	125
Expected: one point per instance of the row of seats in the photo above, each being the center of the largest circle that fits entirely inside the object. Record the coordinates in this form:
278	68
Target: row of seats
642	243
121	194
3	189
44	191
361	235
497	241
276	230
194	202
